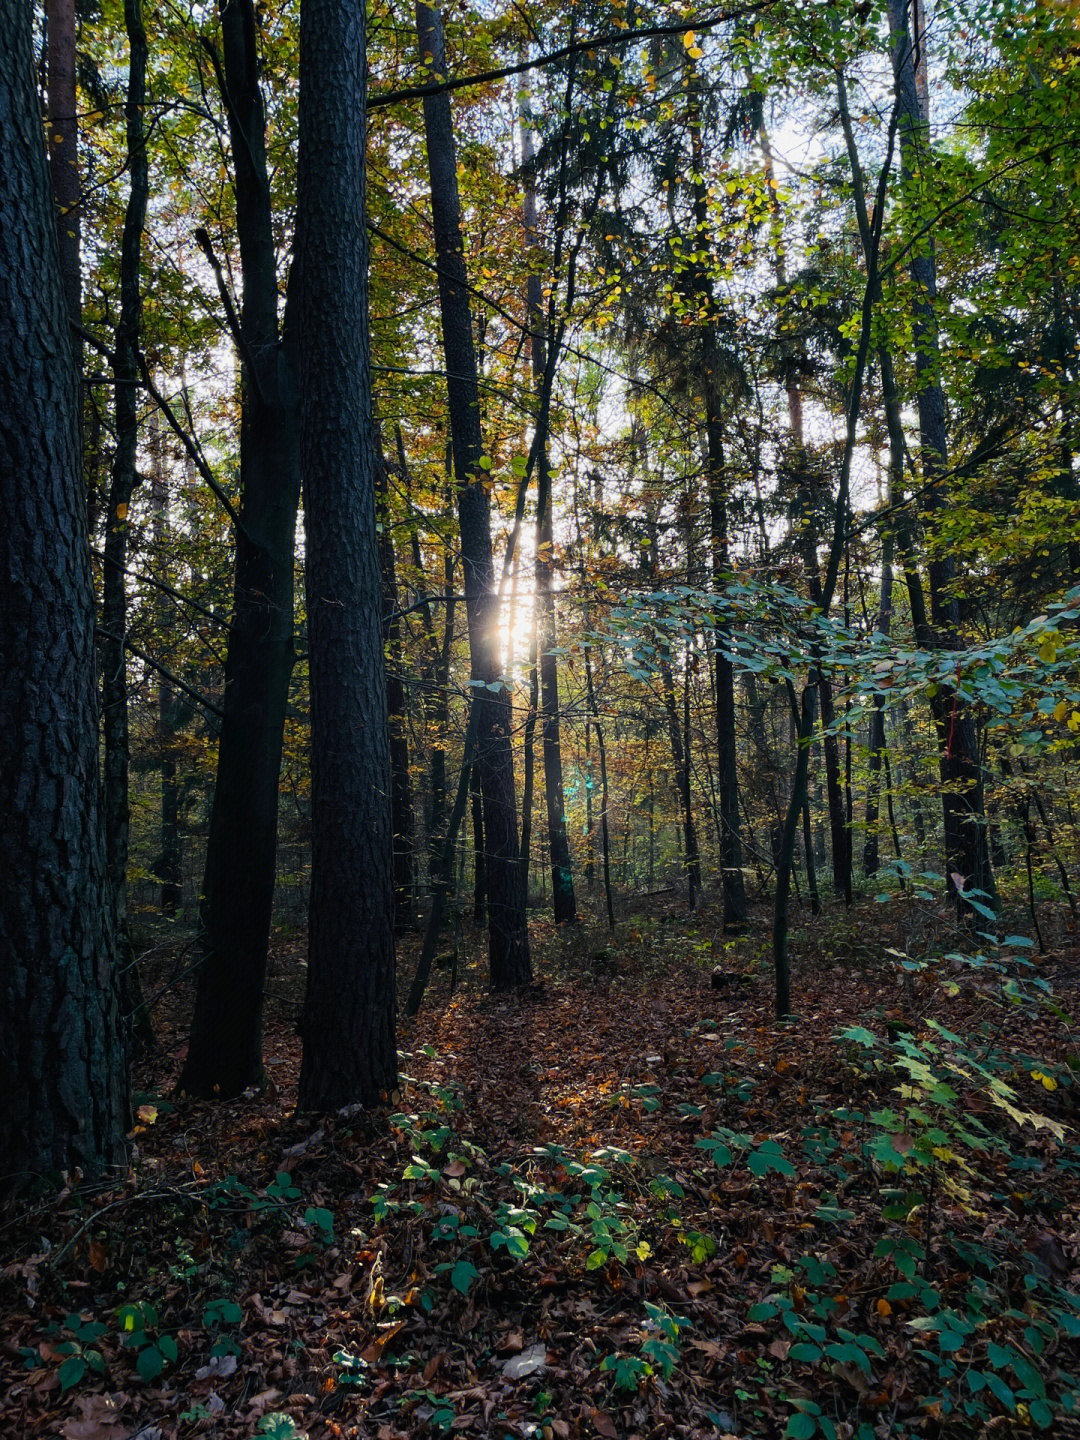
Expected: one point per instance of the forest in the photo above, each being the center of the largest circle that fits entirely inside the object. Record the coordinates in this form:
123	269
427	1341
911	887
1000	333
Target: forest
540	719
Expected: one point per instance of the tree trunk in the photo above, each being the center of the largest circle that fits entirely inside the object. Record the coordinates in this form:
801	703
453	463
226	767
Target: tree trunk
225	1050
167	866
562	876
350	1049
63	131
394	659
123	483
734	891
680	759
966	850
508	937
62	1070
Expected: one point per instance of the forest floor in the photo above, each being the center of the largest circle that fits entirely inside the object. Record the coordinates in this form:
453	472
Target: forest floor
627	1204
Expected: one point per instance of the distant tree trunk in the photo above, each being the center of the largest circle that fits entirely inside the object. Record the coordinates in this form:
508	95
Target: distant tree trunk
508	937
734	890
350	1050
562	875
605	841
877	715
966	850
479	868
680	759
123	483
225	1050
63	130
62	1068
394	659
167	866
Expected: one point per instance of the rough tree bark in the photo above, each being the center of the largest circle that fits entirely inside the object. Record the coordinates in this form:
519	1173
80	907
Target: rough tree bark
62	1070
350	1049
508	937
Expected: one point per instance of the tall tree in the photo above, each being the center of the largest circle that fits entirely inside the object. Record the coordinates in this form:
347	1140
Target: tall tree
507	934
123	482
967	854
62	1071
562	876
350	1050
225	1051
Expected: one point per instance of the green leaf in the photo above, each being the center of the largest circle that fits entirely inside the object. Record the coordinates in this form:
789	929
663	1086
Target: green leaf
858	1036
761	1312
801	1427
150	1363
71	1372
769	1157
462	1276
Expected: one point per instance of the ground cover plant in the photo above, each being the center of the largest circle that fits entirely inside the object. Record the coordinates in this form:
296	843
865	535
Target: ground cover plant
629	1204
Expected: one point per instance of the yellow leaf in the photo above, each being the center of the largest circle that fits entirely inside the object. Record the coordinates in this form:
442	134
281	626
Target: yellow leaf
695	52
689	39
1061	709
884	1309
121	512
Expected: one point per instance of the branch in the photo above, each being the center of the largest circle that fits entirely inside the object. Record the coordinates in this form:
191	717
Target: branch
609	41
166	674
190	446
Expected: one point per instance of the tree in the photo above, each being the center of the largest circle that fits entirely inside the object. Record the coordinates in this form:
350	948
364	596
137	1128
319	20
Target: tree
62	1068
225	1051
508	938
350	1051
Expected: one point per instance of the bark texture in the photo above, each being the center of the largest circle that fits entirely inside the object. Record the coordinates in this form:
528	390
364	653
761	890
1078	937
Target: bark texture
350	1049
62	1071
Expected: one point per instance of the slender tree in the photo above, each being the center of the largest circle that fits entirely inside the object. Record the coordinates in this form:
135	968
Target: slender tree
508	937
225	1050
62	1071
123	483
967	854
350	1052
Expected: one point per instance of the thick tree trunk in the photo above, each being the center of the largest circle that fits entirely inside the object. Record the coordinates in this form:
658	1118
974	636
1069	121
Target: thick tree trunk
350	1050
62	1071
508	937
225	1051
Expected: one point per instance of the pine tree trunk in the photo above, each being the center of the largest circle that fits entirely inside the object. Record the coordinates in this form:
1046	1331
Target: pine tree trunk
62	1069
508	938
225	1050
350	1049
